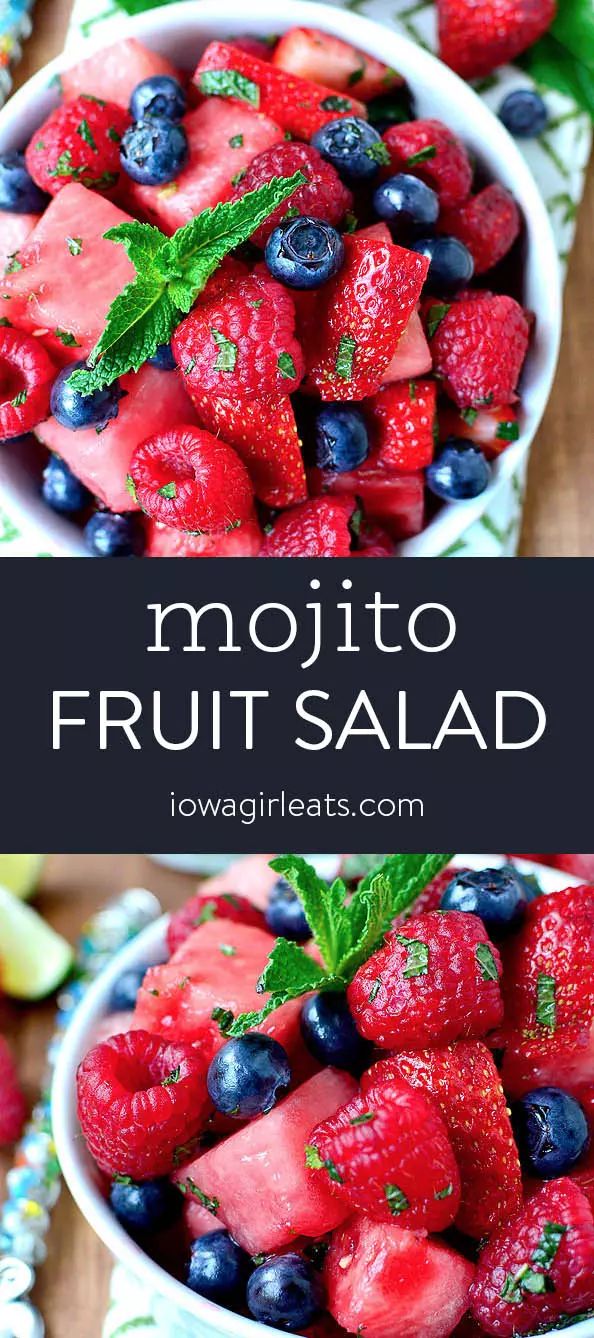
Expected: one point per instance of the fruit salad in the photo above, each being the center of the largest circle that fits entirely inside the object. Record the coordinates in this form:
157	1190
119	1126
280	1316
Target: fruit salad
360	1109
260	309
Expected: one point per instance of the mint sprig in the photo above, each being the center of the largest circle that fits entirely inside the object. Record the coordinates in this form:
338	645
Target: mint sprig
170	273
346	931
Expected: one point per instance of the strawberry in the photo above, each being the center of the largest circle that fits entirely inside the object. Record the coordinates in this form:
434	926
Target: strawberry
465	1084
388	1154
402	418
13	1107
538	1267
241	342
324	195
581	866
432	981
487	223
316	528
383	1282
394	501
299	106
189	479
26	376
478	344
253	46
360	315
167	541
494	428
326	59
79	141
431	151
476	36
202	907
264	434
561	1059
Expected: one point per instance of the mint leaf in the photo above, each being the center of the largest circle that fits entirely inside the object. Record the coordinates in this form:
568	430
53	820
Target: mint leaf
345	356
422	156
417	956
74	245
546	1006
409	874
227	355
508	431
486	961
323	905
396	1199
229	84
550	1240
289	973
435	316
141	317
286	366
315	1162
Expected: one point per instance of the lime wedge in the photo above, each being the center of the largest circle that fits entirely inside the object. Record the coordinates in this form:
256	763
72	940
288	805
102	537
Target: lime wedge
33	959
20	873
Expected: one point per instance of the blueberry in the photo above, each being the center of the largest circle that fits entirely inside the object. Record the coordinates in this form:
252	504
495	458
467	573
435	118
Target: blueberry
153	152
450	263
77	411
285	915
342	442
331	1035
407	203
304	252
61	489
160	96
149	1206
458	472
524	113
123	994
18	192
286	1293
163	358
353	147
497	896
108	534
551	1131
248	1075
218	1268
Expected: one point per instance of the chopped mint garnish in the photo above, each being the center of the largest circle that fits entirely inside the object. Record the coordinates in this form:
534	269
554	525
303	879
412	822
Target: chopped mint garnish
85	132
112	134
224	1018
412	392
131	487
67	338
19	399
189	367
417	956
317	1163
435	316
227	949
189	1187
396	1200
63	167
169	490
422	156
336	103
286	366
345	357
351	222
356	76
550	1240
525	1280
227	354
379	152
486	961
508	431
366	1118
13	265
375	989
229	84
238	176
469	415
236	142
74	245
173	1077
444	1193
546	1006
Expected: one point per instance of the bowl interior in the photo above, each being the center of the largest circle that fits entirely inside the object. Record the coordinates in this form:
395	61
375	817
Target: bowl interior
181	32
79	1170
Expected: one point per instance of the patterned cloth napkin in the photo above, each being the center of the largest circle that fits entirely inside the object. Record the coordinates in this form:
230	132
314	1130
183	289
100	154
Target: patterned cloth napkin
558	159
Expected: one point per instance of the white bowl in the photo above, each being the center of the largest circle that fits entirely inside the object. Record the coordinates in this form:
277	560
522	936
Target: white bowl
180	1311
181	31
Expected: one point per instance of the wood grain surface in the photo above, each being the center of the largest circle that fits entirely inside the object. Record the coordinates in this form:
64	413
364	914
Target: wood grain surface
559	514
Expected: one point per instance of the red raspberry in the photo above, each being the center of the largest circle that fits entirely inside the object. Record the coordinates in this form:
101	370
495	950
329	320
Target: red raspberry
139	1100
465	1084
402	416
26	375
80	141
13	1107
324	196
221	906
475	36
317	528
243	342
478	347
431	151
389	1154
431	982
264	433
539	1267
189	479
487	223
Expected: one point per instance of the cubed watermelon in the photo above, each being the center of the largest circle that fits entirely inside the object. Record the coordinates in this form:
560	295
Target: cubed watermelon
412	356
257	1180
223	138
198	1220
389	1283
395	501
165	541
155	400
114	71
14	230
249	877
70	275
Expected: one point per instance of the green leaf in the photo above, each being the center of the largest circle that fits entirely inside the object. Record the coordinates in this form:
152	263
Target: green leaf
408	875
334	102
190	1187
286	366
315	1162
508	431
141	317
486	961
345	357
322	905
169	490
227	355
435	316
546	1006
379	153
289	973
550	1240
74	245
417	957
422	156
551	63
229	84
396	1199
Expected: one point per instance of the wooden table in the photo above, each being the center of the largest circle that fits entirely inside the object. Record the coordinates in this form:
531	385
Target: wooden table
559	515
73	1283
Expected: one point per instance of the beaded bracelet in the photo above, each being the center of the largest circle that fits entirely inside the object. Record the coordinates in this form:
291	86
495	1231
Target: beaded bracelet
33	1183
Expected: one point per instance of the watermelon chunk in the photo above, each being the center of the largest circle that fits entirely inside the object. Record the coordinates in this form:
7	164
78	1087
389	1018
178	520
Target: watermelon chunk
389	1283
165	541
198	1221
413	355
14	230
70	275
155	400
216	156
258	1179
326	59
113	72
250	877
395	501
219	965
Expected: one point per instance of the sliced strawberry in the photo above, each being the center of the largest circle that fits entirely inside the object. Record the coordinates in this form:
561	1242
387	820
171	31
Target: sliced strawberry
465	1083
326	59
549	965
202	907
562	1059
316	528
394	501
360	315
431	151
412	356
402	420
297	105
493	429
475	36
487	223
383	1282
264	434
